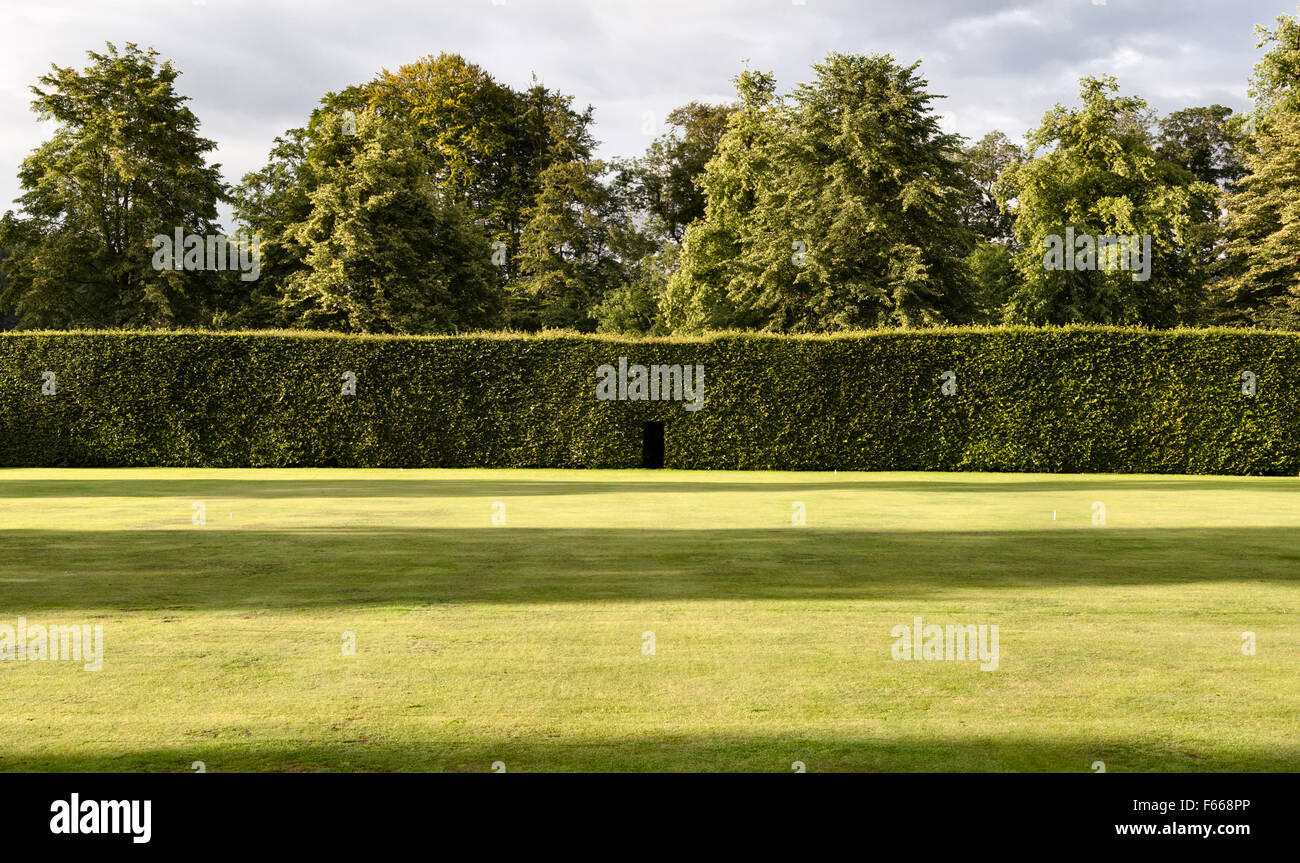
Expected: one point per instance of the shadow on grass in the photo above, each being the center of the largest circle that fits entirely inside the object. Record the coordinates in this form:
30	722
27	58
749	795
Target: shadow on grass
269	569
472	486
702	753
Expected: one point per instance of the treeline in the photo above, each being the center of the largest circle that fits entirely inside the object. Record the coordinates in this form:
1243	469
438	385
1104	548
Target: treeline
436	199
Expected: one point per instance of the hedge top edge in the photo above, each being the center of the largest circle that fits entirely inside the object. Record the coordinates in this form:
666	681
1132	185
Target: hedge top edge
722	335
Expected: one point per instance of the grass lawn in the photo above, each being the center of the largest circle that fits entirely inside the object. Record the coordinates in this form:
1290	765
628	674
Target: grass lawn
523	643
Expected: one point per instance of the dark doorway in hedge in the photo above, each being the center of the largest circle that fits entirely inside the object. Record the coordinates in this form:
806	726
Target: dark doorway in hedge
652	445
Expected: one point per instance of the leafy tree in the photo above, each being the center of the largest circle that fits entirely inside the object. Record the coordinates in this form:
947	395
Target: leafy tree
659	196
576	247
484	146
1275	84
634	307
984	162
125	163
1096	173
384	250
270	200
700	294
831	209
667	177
1262	285
992	273
7	318
1203	142
994	280
488	144
1210	144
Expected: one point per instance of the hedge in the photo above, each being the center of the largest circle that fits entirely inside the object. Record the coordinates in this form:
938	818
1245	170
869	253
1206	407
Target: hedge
1074	399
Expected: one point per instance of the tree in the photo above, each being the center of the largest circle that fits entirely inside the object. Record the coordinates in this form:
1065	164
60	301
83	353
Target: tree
660	196
991	265
488	144
7	318
384	250
1203	142
1262	285
1275	84
831	209
270	200
484	145
984	162
576	247
634	307
1095	175
125	163
1209	143
666	178
994	281
699	295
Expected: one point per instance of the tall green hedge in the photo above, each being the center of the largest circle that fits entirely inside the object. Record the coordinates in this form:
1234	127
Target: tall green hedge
1078	399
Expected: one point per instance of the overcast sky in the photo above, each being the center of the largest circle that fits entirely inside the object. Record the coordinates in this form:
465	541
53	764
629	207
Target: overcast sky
254	69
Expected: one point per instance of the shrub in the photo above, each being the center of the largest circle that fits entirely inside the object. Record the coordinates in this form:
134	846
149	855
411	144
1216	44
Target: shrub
1075	399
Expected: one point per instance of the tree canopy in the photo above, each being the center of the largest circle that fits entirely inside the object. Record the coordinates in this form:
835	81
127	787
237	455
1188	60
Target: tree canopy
435	197
830	208
124	164
1094	174
1262	252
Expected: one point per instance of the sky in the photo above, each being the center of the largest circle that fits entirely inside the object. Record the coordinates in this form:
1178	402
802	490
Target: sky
253	69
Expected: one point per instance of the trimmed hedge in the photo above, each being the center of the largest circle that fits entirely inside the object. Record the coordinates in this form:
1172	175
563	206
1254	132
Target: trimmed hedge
1076	399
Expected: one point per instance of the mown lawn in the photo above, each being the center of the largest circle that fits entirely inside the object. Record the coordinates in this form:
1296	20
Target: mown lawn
523	643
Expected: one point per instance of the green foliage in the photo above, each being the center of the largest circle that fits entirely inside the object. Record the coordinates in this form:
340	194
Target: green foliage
1095	172
1205	142
994	280
984	163
485	150
831	209
1079	399
667	177
488	144
125	163
1275	84
1262	253
384	250
7	318
270	200
575	248
1210	144
836	207
1263	283
634	307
